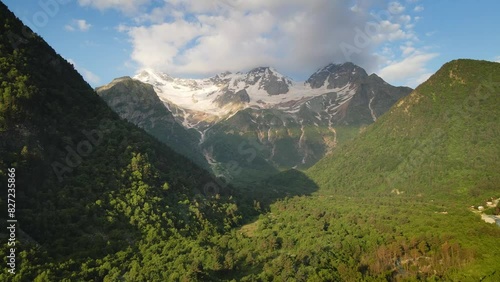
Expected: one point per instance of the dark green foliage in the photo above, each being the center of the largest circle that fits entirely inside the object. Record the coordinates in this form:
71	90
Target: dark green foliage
95	194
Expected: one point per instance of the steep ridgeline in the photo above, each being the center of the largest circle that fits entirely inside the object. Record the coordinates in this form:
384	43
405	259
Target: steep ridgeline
289	124
96	198
138	103
441	139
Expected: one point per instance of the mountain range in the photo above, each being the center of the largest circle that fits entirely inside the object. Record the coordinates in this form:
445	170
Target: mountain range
98	198
292	124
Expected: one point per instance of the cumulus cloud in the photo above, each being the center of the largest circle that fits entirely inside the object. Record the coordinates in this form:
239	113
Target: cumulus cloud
90	77
497	59
81	25
396	8
412	69
200	38
422	78
418	8
158	45
407	49
206	37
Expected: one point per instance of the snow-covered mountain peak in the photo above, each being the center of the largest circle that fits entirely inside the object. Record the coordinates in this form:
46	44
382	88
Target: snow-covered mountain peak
261	87
153	77
266	79
334	76
266	74
222	78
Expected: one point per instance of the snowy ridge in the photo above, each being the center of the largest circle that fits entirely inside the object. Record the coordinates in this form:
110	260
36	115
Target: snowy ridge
196	96
372	112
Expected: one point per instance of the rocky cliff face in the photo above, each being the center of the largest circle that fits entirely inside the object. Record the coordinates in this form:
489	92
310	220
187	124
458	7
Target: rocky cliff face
269	80
337	76
137	102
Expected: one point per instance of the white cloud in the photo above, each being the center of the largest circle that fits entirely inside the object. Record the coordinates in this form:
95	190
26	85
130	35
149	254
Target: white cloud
497	59
200	38
355	8
295	36
81	25
418	8
411	70
205	37
391	31
126	6
396	8
422	78
405	19
158	45
89	76
407	49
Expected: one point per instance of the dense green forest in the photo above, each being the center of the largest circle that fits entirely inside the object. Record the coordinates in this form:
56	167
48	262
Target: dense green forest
96	196
98	199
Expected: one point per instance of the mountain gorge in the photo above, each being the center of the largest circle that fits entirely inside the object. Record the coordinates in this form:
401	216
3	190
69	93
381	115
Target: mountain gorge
290	124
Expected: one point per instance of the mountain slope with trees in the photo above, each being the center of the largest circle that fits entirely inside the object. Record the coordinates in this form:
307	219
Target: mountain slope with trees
393	204
96	197
441	140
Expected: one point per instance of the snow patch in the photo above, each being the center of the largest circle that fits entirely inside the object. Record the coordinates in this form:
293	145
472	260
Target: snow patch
374	117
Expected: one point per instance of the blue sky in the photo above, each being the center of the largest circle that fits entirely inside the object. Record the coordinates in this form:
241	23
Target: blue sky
403	41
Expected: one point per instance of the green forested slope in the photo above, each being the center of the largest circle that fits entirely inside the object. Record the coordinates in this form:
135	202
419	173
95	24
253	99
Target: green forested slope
393	204
96	198
441	140
434	154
